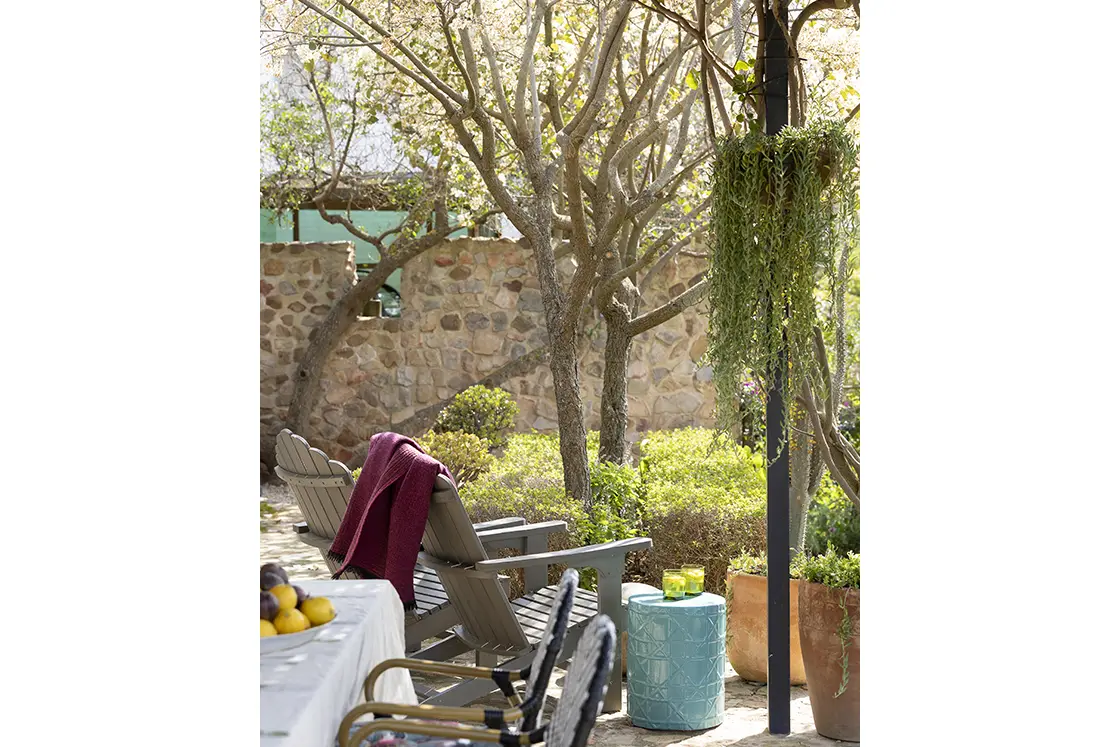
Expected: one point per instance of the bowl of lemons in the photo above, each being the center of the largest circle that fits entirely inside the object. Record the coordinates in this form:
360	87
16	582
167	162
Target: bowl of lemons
289	615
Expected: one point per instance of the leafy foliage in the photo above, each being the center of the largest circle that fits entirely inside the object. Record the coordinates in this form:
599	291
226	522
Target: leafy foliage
833	520
464	454
832	569
484	412
617	502
782	206
705	501
754	564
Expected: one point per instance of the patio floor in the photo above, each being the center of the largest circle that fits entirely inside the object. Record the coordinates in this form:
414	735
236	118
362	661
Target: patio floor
745	706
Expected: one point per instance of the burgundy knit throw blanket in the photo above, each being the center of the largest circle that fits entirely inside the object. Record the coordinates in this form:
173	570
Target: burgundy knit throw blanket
380	534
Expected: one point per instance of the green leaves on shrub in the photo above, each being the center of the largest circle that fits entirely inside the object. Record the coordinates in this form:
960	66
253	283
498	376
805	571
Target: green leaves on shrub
465	454
705	501
616	497
751	564
486	413
701	456
833	519
754	564
832	569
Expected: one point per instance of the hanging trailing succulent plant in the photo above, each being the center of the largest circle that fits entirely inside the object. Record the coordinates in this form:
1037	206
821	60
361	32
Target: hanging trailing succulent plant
783	206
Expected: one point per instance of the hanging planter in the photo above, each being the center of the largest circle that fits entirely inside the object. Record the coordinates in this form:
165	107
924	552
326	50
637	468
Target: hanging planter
783	205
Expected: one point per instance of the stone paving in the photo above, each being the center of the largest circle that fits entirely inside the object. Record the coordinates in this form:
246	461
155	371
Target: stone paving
744	721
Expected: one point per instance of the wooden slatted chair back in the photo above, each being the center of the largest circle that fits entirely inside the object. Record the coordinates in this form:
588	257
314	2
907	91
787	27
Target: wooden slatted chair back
451	545
322	485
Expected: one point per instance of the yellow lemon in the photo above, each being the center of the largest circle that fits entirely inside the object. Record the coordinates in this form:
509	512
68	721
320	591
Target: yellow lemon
319	610
267	629
291	621
286	595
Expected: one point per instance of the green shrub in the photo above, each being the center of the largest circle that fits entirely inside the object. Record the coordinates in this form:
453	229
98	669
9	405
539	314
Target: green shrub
464	454
486	413
704	502
700	455
833	519
832	569
617	502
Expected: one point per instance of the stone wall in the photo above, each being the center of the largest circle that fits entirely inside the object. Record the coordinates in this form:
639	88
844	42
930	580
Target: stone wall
468	307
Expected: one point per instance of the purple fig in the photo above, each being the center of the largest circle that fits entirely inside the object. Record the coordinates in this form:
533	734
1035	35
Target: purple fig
274	569
300	595
270	580
270	605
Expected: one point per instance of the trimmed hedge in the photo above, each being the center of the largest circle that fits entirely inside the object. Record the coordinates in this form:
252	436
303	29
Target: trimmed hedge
705	502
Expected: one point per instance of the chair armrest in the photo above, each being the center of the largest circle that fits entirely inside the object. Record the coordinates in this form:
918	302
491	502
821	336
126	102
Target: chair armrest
510	521
592	556
512	536
307	537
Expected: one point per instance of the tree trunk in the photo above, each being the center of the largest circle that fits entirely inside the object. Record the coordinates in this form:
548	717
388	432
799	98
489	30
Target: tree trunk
806	471
569	410
800	495
613	404
323	340
563	356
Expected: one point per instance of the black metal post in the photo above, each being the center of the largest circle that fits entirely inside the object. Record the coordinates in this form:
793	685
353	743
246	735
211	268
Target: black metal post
775	72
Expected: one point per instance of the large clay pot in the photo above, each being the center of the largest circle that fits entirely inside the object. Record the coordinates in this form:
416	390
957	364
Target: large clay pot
746	628
822	613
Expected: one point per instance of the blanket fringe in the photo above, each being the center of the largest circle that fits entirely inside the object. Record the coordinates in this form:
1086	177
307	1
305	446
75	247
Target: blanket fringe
339	558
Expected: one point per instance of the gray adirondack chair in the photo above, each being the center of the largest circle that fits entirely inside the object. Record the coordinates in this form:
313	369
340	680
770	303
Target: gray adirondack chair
489	622
322	488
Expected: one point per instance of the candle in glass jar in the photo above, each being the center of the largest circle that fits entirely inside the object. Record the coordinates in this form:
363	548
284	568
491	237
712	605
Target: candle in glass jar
673	583
693	579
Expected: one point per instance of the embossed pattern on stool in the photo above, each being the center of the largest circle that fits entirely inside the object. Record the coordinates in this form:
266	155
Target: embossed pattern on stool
676	655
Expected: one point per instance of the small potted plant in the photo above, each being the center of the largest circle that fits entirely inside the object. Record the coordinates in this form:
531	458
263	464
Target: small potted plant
747	648
828	619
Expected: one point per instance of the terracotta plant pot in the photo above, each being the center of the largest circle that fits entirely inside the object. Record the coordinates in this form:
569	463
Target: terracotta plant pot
822	614
746	628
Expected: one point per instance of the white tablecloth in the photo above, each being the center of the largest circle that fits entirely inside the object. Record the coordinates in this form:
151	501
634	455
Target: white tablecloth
306	691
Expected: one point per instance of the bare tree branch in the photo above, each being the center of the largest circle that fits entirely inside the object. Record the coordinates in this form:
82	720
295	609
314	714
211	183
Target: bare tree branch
667	311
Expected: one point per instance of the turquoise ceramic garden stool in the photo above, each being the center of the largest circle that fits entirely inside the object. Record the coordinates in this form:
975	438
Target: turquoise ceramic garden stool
675	654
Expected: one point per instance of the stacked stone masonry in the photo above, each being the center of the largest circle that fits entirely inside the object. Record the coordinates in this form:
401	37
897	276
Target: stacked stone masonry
468	307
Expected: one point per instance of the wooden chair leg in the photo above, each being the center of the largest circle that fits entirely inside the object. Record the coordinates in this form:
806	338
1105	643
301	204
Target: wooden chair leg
610	604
